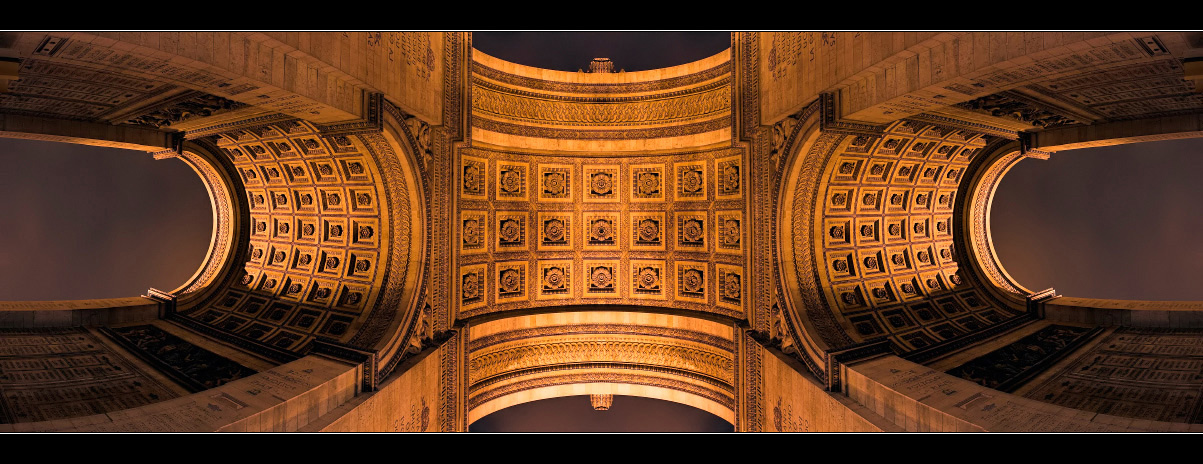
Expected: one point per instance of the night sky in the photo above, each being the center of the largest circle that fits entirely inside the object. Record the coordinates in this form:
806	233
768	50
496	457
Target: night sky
1119	222
571	414
84	222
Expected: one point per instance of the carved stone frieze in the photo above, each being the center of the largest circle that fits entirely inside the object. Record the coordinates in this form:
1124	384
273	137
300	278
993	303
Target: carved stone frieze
196	104
1017	108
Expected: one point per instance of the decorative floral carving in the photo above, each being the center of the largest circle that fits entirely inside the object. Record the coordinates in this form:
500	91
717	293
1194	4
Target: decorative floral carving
647	279
555	279
692	181
692	232
692	281
729	180
510	282
646	183
510	231
553	230
511	181
1007	105
601	231
601	279
601	183
472	232
199	105
474	183
731	233
649	230
554	183
731	289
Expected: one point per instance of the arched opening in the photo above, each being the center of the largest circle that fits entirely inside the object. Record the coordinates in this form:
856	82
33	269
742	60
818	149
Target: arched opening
89	222
630	51
579	413
1114	222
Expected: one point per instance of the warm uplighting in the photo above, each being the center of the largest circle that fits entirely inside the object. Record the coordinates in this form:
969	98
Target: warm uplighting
601	402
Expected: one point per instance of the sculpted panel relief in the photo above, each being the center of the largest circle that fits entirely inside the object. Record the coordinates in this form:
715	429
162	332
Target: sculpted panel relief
604	229
889	263
315	236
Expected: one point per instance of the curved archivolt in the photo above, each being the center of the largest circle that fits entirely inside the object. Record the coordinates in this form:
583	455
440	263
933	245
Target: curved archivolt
322	211
645	207
674	358
878	254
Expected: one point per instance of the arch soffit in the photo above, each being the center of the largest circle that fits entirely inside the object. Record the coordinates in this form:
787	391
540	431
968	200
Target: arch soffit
527	358
790	312
802	215
388	181
228	221
616	387
414	329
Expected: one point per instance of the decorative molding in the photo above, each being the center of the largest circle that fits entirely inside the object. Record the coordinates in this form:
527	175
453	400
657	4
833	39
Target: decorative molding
191	366
1009	367
600	329
714	364
595	98
251	346
371	122
244	124
934	351
980	240
600	134
956	124
187	106
223	205
836	359
619	365
830	122
720	397
1017	107
570	87
686	107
